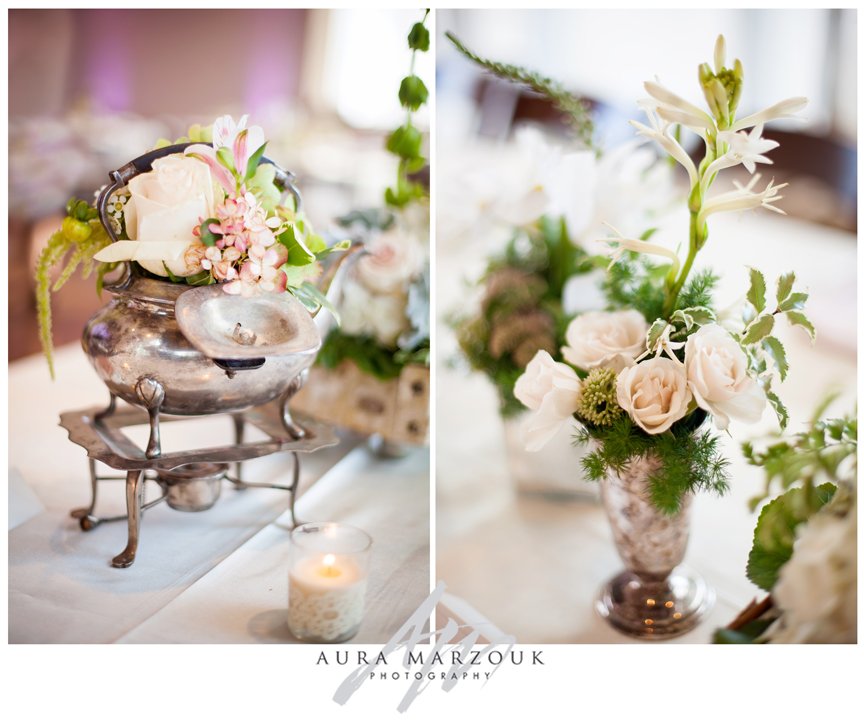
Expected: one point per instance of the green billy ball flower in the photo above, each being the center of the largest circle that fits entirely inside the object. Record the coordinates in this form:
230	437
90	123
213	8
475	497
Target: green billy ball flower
76	231
599	400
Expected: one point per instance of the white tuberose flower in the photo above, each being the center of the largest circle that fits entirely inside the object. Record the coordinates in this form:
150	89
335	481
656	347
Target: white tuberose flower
743	198
717	374
675	109
781	110
654	393
660	133
620	244
553	391
743	148
605	339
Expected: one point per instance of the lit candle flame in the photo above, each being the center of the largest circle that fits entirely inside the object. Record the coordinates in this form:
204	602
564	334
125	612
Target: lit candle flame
329	568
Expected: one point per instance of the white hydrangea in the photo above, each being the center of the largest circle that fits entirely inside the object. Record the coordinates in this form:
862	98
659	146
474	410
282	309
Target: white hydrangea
379	315
817	589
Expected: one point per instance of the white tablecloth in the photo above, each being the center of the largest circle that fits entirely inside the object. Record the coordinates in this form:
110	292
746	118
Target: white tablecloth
214	576
534	567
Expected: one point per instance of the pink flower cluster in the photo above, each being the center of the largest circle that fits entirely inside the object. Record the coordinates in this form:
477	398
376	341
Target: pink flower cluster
246	257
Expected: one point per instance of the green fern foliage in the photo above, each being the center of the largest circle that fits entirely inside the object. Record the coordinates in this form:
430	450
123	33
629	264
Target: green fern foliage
690	459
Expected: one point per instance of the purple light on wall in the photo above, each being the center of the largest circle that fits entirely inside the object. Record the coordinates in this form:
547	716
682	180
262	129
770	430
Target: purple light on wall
107	76
273	59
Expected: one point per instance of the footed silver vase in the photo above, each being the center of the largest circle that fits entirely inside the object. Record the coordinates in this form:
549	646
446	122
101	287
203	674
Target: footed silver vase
654	598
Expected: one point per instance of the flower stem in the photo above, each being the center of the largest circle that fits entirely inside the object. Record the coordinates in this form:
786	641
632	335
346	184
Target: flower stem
698	231
672	297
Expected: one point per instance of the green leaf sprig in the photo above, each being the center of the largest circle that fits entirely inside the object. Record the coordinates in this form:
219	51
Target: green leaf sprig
760	321
826	454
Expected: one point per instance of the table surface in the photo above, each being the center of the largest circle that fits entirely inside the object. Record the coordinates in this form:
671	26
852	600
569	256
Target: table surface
532	567
218	576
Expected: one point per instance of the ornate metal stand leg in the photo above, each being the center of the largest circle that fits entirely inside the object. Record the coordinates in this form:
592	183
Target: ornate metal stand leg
86	518
292	428
295	483
151	394
134	486
239	428
292	488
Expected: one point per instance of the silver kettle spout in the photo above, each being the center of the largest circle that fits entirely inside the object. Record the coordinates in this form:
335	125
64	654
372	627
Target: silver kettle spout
330	284
331	280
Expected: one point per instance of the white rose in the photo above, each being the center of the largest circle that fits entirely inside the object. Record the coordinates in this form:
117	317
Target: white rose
717	372
654	393
391	260
165	206
553	391
605	339
382	316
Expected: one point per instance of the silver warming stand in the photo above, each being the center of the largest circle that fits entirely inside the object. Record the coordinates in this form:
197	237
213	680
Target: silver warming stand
190	480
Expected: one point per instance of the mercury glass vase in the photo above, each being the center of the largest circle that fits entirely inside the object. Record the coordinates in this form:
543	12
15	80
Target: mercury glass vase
654	598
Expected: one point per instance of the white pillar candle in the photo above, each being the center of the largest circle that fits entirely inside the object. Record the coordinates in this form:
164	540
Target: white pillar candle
326	597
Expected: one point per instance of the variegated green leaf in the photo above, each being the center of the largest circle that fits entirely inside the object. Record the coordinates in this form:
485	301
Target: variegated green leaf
784	286
756	293
779	409
691	316
761	327
794	302
778	354
798	318
654	333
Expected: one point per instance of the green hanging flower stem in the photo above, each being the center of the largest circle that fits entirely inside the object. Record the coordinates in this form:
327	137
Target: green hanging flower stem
82	234
406	141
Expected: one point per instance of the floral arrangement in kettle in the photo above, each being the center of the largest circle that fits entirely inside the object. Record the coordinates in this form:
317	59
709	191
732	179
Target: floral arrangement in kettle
211	211
804	550
642	376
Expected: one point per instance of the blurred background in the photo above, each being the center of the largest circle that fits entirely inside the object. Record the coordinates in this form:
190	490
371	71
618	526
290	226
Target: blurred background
91	89
605	56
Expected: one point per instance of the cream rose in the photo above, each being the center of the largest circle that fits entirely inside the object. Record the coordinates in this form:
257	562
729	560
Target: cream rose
717	374
605	339
553	391
654	393
391	260
165	206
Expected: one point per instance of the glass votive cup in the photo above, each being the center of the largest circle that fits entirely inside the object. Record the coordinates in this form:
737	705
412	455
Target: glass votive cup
327	578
